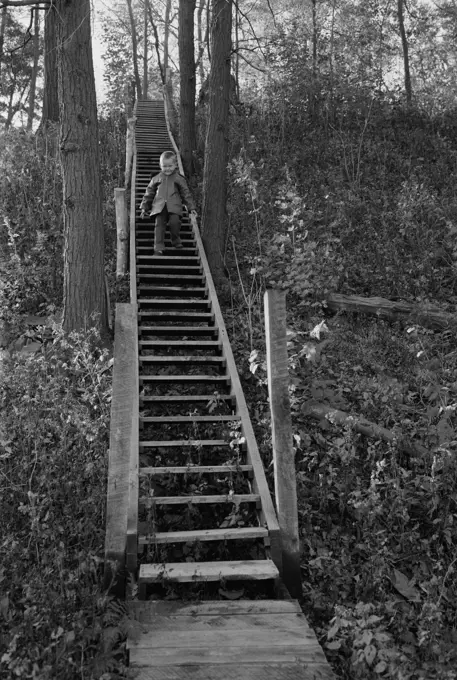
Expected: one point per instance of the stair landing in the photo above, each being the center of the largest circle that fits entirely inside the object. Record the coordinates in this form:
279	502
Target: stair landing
224	640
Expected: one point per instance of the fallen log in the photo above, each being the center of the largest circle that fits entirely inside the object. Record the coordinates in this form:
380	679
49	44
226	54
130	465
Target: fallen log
362	425
429	317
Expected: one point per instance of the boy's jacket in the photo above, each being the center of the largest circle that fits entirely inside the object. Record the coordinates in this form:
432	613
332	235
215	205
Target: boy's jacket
167	190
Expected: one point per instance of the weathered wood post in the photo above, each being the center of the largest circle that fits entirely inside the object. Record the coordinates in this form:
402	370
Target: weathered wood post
129	144
122	232
281	425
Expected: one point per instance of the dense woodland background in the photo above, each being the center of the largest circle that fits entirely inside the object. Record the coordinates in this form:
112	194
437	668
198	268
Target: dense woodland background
340	178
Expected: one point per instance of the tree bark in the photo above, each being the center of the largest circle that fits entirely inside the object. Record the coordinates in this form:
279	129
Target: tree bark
136	70
201	42
50	113
187	133
36	55
145	51
84	281
214	174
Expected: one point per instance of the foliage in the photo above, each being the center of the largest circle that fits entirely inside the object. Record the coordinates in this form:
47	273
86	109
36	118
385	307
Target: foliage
53	470
30	226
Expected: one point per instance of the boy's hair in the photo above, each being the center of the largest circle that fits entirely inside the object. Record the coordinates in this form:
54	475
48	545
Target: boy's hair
167	156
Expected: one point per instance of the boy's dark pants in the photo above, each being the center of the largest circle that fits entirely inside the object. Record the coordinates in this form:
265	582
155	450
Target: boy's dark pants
174	224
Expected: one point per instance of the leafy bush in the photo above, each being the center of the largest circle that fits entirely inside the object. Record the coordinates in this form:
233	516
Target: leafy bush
53	442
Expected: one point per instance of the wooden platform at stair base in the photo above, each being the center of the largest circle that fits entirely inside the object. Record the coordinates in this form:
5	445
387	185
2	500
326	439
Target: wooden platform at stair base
221	640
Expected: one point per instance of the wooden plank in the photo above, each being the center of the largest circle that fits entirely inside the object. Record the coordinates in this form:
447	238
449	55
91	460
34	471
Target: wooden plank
269	653
235	498
184	443
249	671
147	611
186	378
181	359
253	455
238	534
194	469
122	228
123	411
189	419
281	428
187	397
267	622
133	298
220	637
187	572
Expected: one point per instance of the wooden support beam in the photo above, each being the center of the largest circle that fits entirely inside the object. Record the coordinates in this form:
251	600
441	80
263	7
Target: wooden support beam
281	425
122	228
123	450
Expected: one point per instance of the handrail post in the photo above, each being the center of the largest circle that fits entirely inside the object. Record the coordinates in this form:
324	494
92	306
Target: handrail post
281	425
122	229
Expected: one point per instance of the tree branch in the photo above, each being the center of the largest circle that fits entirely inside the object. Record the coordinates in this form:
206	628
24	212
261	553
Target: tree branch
25	3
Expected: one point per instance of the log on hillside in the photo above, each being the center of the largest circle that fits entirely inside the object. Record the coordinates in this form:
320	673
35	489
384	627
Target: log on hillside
429	317
361	425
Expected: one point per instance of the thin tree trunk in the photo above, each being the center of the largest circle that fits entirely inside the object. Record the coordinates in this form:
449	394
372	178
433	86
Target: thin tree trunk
136	70
2	34
172	114
145	51
157	42
36	55
187	136
50	111
84	281
201	42
214	174
315	41
405	47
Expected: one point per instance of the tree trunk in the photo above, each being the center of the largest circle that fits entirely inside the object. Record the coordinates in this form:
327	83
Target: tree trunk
36	55
201	42
50	93
214	174
405	47
136	70
145	51
429	317
2	34
187	134
84	281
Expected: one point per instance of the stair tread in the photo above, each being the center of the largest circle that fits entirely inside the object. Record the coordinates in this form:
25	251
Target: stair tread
185	378
188	419
197	500
185	572
183	442
180	359
188	397
199	535
193	469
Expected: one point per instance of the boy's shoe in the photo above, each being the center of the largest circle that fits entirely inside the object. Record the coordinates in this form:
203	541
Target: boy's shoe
158	252
178	246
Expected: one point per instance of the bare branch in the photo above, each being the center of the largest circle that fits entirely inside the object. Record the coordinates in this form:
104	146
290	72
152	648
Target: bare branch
25	3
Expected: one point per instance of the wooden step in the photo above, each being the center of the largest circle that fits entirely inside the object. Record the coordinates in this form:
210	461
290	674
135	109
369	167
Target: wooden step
186	398
179	330
201	535
235	499
189	379
151	444
192	469
174	316
198	344
145	291
188	419
170	304
168	359
189	572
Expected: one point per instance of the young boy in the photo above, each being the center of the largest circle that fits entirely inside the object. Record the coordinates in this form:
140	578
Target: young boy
166	192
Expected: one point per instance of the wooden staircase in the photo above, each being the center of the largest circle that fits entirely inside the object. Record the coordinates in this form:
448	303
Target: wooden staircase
194	424
198	513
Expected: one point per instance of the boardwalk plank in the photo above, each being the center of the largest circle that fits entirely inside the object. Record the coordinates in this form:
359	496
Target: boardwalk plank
289	671
147	611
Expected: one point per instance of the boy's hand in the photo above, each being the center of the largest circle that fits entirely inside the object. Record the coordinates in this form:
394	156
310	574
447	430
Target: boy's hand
194	213
142	215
